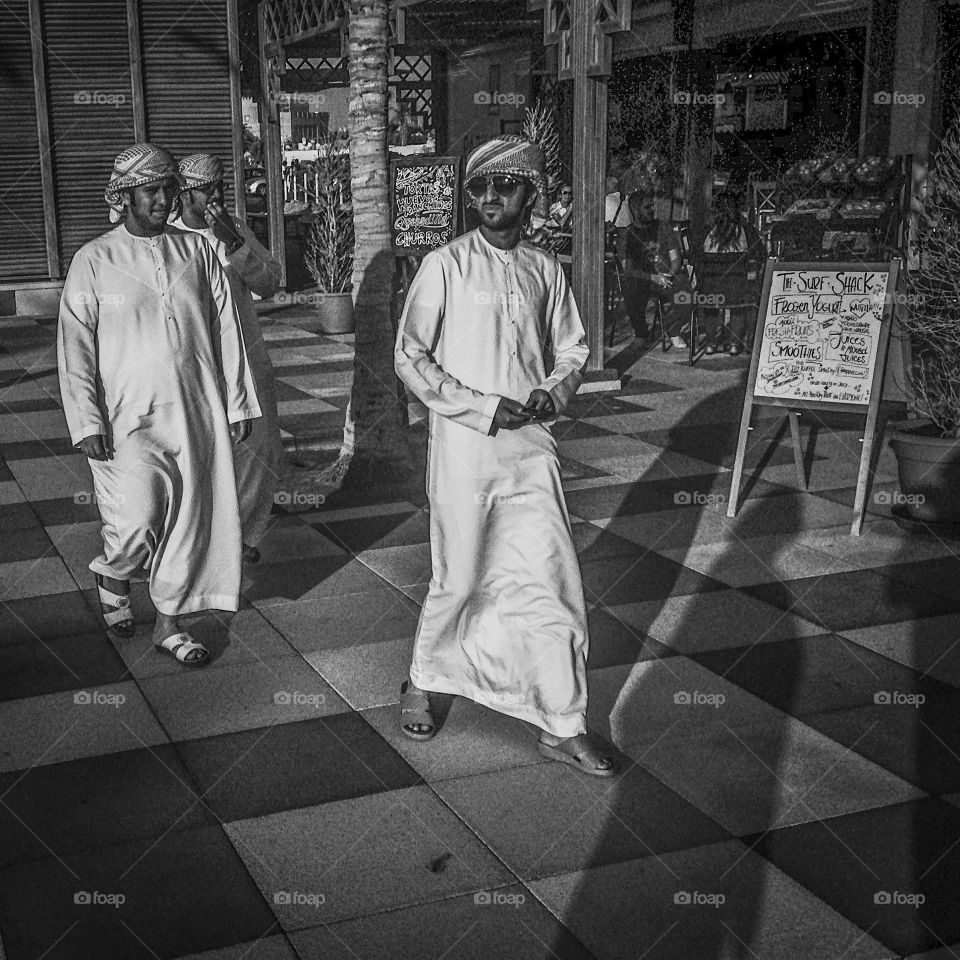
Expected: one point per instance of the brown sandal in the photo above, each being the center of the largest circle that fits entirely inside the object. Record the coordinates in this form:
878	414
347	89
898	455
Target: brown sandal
579	752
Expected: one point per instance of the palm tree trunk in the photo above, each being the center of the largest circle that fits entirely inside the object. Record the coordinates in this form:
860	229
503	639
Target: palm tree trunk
379	448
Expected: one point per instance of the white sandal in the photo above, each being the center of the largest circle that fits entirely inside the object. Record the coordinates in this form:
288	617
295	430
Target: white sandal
119	619
181	645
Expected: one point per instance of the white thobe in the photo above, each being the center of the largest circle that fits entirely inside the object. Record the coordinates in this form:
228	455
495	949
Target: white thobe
258	460
151	355
504	621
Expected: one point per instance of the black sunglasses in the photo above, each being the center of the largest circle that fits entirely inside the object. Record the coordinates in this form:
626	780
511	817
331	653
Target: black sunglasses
503	185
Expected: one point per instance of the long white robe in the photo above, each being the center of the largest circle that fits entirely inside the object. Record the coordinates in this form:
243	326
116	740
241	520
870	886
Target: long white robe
504	621
151	355
258	460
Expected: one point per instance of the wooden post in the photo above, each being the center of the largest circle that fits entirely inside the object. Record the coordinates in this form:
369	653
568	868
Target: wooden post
236	110
272	152
135	44
589	158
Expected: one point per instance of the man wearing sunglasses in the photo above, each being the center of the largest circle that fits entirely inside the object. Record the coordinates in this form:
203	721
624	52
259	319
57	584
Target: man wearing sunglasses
249	267
491	341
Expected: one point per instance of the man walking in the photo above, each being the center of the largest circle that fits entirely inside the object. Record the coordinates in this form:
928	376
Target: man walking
155	385
249	267
504	622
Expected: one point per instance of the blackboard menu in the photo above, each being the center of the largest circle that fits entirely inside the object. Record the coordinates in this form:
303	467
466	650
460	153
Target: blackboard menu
819	335
424	194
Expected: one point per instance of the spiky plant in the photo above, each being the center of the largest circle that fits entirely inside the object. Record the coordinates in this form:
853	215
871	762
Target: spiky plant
932	317
540	126
329	245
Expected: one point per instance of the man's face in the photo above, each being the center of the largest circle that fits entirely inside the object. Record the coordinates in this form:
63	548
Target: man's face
149	206
499	212
196	199
566	196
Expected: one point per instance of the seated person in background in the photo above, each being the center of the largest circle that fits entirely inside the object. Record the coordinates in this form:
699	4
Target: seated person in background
731	232
652	266
561	210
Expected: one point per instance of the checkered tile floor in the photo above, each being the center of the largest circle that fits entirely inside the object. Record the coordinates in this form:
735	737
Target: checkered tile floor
784	696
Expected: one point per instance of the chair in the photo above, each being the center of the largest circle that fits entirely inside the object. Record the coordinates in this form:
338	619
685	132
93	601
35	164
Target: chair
732	278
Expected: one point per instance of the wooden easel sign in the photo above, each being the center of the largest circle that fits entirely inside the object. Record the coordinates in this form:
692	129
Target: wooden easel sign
821	344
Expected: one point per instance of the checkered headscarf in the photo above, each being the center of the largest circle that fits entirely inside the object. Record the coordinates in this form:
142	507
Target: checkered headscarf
142	163
516	156
200	169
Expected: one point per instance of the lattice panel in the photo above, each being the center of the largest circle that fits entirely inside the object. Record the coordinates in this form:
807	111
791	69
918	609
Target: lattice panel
287	20
413	68
607	17
319	71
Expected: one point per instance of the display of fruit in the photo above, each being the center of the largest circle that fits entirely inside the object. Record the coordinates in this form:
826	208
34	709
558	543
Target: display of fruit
839	171
812	207
806	170
862	209
874	169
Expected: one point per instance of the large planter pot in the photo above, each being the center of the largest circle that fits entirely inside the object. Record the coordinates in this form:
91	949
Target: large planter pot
929	470
334	312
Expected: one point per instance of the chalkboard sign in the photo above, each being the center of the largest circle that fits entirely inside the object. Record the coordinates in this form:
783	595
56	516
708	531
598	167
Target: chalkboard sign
821	343
819	334
424	199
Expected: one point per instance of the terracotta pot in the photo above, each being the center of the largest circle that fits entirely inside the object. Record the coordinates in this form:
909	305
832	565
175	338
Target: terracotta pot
335	312
929	470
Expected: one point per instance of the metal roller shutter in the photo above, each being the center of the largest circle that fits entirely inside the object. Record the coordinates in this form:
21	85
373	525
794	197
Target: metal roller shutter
91	109
23	249
186	72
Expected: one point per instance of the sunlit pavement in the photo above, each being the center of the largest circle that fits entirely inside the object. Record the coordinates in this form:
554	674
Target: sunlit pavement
783	697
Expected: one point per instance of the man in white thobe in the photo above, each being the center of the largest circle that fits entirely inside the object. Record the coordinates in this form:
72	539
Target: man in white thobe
155	385
249	266
504	622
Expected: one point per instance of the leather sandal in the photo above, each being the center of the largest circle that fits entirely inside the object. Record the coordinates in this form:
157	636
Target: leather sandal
580	753
181	645
119	620
415	711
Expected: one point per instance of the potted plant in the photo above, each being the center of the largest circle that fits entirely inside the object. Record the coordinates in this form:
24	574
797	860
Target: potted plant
928	448
328	250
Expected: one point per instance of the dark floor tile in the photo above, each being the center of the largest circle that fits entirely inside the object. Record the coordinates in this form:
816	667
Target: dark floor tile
34	449
63	808
637	386
313	424
384	530
286	392
594	543
184	893
634	579
25	543
317	369
317	577
876	859
5	473
10	378
28	406
256	772
575	470
915	740
817	674
587	405
16	517
858	598
613	642
578	430
46	618
34	668
940	575
61	510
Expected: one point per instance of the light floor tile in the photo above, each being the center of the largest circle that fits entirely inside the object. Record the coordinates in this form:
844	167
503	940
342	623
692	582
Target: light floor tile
274	947
289	408
408	840
44	425
34	578
243	696
10	493
73	724
402	566
46	478
368	675
764	914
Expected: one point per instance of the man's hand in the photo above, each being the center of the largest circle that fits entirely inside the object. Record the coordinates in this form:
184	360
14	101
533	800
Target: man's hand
510	415
240	430
222	225
662	280
540	405
96	447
